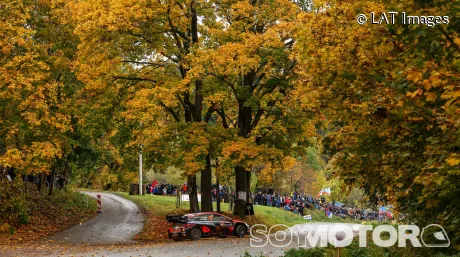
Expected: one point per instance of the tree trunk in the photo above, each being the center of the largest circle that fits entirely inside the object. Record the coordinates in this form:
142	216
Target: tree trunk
206	181
66	173
241	189
25	184
244	129
197	118
192	192
40	182
218	191
248	181
52	181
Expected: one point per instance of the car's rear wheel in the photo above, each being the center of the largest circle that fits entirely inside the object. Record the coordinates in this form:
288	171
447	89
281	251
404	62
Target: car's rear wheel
195	234
240	231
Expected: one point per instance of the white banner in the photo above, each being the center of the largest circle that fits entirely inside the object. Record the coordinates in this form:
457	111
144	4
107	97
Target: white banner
307	217
241	195
186	198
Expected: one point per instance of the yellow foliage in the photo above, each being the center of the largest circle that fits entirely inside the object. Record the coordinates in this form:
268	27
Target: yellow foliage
453	161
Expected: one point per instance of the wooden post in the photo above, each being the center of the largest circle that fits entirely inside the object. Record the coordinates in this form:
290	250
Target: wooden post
218	190
178	199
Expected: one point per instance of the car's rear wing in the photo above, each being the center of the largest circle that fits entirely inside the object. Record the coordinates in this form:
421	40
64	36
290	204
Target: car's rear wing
176	218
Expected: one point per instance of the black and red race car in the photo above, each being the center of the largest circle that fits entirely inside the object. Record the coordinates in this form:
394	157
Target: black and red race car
204	224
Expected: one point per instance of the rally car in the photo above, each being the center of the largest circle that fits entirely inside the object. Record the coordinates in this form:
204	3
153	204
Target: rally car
204	224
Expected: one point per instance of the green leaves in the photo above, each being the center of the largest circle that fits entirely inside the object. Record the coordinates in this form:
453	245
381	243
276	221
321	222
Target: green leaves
386	94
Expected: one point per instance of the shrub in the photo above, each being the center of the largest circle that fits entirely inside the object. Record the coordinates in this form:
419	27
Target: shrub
312	252
13	203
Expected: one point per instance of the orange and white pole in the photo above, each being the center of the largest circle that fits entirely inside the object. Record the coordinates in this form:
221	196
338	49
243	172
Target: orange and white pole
99	204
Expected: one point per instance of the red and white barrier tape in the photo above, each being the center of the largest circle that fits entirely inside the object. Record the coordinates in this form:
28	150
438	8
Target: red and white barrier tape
99	204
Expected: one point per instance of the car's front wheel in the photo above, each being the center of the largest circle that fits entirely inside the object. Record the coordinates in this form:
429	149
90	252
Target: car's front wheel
240	231
195	234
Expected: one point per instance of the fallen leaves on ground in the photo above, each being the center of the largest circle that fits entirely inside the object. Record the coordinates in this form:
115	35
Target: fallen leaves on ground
155	227
48	215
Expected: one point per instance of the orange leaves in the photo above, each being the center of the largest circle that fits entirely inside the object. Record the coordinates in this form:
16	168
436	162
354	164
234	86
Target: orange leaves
415	93
196	149
414	75
12	158
430	96
246	153
233	58
457	41
453	160
108	177
426	84
33	126
37	158
288	163
436	81
394	99
240	151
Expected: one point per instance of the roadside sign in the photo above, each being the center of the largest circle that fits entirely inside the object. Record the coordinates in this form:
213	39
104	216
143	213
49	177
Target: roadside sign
241	195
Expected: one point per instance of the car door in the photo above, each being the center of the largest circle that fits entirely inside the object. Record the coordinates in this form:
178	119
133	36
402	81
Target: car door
205	223
223	224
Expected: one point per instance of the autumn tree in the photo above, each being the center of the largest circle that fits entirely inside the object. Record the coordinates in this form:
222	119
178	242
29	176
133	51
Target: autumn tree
306	175
143	47
249	62
303	178
35	82
392	94
20	72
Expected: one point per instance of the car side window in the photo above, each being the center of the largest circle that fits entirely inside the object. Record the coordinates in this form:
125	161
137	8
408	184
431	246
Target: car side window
219	218
201	218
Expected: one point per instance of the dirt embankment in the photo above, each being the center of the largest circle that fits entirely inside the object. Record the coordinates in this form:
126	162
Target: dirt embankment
35	215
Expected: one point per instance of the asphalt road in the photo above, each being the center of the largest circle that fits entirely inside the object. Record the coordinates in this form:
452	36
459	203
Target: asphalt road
213	247
111	232
119	222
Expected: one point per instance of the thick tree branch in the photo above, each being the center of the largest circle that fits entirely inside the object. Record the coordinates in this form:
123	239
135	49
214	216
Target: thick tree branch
226	82
145	63
176	33
140	36
191	107
170	110
209	113
256	119
133	78
224	119
450	39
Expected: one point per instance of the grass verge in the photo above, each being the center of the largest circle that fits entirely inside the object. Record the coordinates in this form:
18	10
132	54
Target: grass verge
157	207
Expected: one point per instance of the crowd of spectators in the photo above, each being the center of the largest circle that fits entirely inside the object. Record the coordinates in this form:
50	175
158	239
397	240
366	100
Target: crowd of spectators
297	202
223	193
161	189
